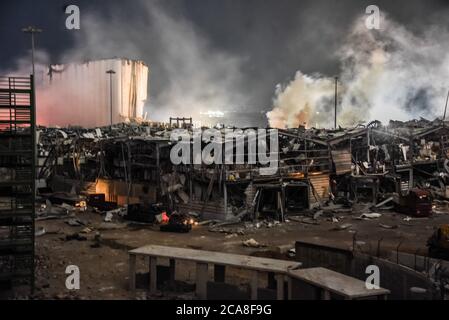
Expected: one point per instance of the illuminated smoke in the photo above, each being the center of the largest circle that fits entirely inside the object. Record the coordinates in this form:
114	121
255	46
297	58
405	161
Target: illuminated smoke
300	101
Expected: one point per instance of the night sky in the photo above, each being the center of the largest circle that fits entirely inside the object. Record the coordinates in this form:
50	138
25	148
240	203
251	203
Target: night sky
273	38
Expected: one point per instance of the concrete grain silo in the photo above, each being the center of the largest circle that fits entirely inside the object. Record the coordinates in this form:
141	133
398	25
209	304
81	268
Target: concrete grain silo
78	94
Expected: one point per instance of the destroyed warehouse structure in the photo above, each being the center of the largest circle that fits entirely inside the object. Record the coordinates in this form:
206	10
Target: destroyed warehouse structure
129	164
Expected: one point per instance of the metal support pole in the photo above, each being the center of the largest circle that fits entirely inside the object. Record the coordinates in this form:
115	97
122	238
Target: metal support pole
111	73
32	53
110	90
336	102
33	177
32	30
445	107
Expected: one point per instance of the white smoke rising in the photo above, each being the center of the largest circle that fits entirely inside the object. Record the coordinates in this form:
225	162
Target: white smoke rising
200	78
300	101
387	74
196	76
23	65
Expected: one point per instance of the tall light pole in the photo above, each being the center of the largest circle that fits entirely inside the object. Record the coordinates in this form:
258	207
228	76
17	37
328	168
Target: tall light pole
111	73
32	30
336	102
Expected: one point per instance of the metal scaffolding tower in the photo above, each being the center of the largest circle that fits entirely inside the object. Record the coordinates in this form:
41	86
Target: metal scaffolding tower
17	180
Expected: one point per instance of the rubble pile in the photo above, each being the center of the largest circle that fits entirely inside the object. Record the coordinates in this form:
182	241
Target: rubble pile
320	172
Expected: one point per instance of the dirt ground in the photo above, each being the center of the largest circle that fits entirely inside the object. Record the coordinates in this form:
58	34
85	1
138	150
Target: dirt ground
104	269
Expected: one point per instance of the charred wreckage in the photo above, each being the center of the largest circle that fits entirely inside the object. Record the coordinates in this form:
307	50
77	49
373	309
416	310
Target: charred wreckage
403	165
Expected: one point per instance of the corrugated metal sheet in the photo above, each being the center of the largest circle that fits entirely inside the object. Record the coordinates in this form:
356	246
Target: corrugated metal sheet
212	210
342	161
321	186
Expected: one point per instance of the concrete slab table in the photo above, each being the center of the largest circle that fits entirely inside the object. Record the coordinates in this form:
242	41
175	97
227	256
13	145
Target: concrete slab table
280	268
329	281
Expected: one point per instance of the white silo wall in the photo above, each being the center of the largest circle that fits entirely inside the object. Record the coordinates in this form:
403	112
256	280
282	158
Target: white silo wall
78	94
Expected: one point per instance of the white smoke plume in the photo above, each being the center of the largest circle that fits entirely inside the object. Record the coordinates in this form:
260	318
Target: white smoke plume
196	76
386	74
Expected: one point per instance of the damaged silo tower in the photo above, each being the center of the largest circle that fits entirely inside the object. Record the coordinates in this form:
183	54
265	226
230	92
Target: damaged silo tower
79	94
